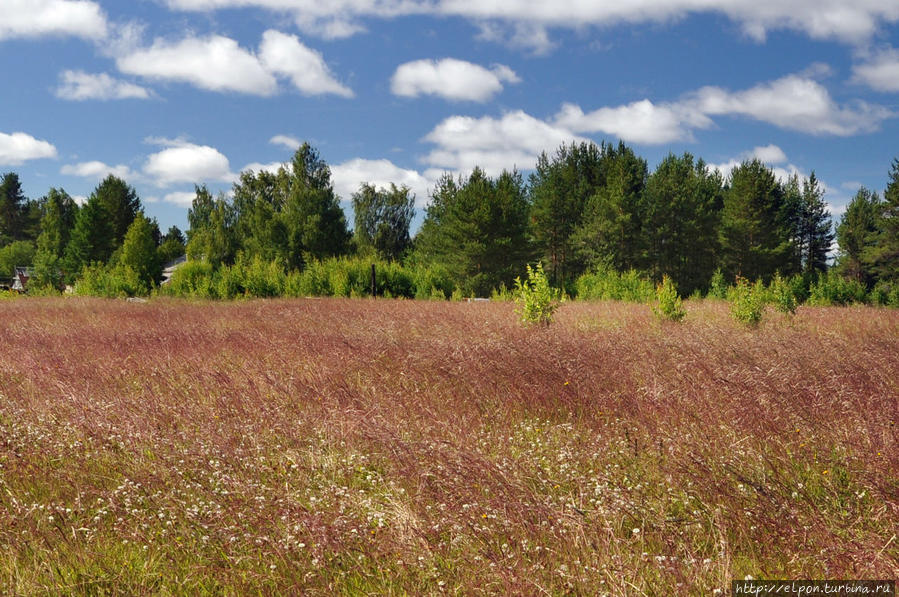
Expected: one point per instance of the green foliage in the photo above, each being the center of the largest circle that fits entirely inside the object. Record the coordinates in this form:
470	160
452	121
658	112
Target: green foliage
20	252
608	284
90	239
717	285
885	293
139	252
193	279
110	282
755	234
683	201
212	232
382	219
857	237
610	233
120	204
476	228
781	295
747	302
12	208
833	289
536	300
560	189
668	302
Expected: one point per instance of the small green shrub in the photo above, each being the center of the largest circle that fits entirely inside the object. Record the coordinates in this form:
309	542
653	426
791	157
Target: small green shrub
833	289
717	285
610	285
885	293
116	282
782	295
747	303
536	299
668	302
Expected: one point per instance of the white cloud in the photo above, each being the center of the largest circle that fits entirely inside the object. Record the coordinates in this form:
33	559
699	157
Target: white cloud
771	155
881	72
853	22
79	199
35	18
79	85
494	144
792	102
214	63
284	55
18	148
180	198
349	175
291	143
271	167
97	170
187	162
451	79
639	122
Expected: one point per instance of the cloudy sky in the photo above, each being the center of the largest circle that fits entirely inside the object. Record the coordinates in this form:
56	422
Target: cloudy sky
168	93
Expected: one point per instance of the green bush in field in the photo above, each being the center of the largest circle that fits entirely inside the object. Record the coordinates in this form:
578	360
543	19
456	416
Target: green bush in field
717	285
747	302
536	299
668	302
885	293
116	282
781	295
608	284
193	279
833	289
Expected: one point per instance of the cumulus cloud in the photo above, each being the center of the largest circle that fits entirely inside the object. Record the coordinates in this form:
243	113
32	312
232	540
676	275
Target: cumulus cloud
853	22
18	148
291	143
180	198
214	63
271	167
451	79
638	122
218	63
186	162
880	72
349	175
284	55
771	155
792	102
515	139
97	170
78	85
35	18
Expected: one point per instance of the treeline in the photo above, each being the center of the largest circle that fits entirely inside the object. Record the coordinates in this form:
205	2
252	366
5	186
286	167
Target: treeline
61	241
586	212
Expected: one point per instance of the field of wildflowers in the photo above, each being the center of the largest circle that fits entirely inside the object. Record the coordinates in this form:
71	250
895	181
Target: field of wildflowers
359	446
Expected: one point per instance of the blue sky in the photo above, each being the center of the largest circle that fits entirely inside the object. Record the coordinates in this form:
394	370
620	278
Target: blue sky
168	93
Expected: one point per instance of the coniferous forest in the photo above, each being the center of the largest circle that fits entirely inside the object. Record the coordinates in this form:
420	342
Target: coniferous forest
594	216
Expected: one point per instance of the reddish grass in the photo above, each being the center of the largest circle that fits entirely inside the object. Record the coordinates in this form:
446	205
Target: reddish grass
376	446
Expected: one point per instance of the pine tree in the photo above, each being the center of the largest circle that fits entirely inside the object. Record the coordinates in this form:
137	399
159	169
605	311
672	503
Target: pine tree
121	203
683	201
560	189
885	256
382	219
12	204
89	241
610	233
754	233
477	229
139	251
857	236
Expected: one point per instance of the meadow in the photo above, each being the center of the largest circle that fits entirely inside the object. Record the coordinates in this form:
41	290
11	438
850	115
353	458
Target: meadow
393	447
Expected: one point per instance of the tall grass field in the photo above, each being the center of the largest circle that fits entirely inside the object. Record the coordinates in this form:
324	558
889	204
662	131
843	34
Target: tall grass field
390	447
